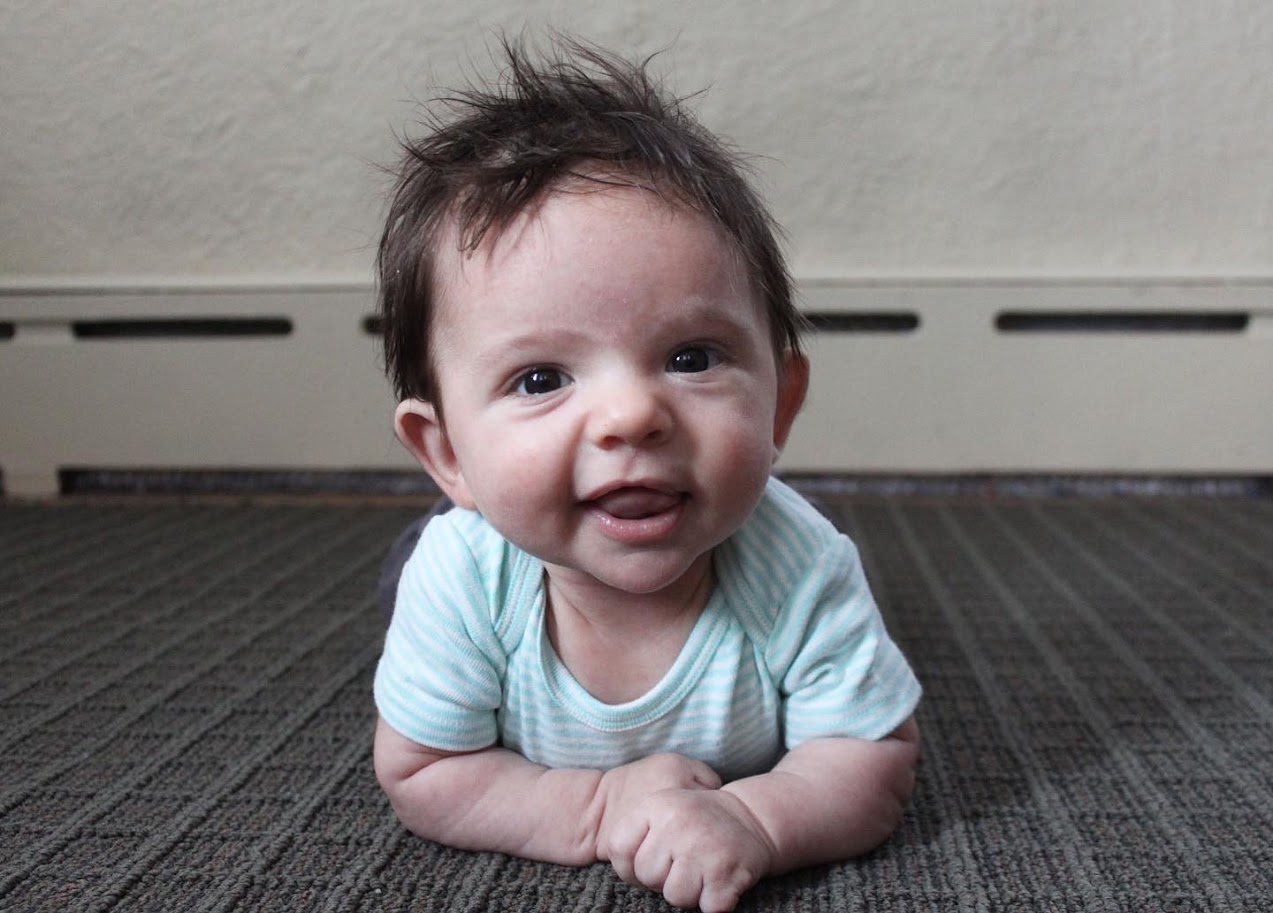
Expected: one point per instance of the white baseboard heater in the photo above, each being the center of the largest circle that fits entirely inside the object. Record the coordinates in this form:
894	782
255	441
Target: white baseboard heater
933	377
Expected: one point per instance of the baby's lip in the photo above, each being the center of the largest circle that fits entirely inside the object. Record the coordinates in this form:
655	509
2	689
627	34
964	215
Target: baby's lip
635	501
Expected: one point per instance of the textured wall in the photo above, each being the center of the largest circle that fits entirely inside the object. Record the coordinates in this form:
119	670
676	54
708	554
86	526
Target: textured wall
176	138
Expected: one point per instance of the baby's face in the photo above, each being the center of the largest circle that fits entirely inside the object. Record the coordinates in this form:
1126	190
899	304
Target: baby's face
609	386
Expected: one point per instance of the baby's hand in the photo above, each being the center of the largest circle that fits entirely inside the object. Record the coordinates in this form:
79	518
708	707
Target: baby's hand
626	788
701	848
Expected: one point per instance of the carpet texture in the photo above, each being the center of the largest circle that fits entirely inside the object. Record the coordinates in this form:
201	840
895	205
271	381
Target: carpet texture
185	714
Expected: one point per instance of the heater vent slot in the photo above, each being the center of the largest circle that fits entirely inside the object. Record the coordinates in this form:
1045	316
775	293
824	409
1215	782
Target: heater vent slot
182	328
1122	321
863	321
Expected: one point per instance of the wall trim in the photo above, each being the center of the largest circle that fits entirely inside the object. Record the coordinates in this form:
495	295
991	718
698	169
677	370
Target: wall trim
911	375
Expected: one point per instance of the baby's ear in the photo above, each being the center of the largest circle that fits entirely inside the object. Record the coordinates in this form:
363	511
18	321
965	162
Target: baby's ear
793	384
422	432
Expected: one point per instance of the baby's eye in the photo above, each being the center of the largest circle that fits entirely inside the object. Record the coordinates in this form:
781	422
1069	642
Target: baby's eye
692	360
538	381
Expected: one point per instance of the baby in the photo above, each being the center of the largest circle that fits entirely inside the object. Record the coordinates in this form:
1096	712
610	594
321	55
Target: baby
626	642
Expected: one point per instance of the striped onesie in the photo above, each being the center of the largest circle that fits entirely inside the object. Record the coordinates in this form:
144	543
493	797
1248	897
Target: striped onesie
789	647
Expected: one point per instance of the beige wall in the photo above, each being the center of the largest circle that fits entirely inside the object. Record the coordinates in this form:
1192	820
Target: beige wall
946	158
228	141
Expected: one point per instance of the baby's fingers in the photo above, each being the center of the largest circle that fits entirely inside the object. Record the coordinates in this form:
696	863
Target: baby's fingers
688	885
652	865
683	887
621	849
720	898
704	776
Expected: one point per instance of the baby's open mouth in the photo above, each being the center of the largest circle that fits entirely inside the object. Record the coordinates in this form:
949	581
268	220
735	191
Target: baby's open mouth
637	503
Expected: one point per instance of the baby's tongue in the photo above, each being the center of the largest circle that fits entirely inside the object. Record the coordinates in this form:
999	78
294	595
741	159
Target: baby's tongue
636	503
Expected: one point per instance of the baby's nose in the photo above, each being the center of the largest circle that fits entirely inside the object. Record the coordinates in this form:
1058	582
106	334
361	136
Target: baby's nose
631	414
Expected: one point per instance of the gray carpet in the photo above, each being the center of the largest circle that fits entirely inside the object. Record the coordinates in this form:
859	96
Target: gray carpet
185	714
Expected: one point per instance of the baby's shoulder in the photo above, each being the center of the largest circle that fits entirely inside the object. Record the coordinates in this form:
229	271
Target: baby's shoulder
785	547
468	560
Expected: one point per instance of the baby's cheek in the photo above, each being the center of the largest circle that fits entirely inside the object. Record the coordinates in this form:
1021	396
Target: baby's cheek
521	464
744	463
523	482
748	443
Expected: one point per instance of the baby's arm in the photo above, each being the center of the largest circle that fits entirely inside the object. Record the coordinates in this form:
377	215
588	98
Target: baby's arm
833	799
496	800
826	800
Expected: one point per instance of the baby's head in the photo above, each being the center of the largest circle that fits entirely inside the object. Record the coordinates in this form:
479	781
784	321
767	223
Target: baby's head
579	273
580	115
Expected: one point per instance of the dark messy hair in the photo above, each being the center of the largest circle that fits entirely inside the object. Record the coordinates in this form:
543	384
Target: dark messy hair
492	151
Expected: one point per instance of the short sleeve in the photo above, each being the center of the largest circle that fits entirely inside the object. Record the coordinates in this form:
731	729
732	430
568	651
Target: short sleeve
839	672
439	678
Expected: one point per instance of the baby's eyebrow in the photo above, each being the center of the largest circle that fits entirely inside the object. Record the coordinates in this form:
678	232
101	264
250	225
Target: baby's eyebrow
518	343
696	319
712	317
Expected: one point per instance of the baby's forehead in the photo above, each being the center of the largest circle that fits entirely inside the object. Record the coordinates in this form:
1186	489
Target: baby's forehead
477	246
605	196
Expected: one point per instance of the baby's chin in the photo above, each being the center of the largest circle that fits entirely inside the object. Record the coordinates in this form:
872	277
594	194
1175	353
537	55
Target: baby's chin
638	575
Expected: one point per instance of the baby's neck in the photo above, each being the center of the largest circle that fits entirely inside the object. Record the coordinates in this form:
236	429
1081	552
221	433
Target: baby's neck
620	645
